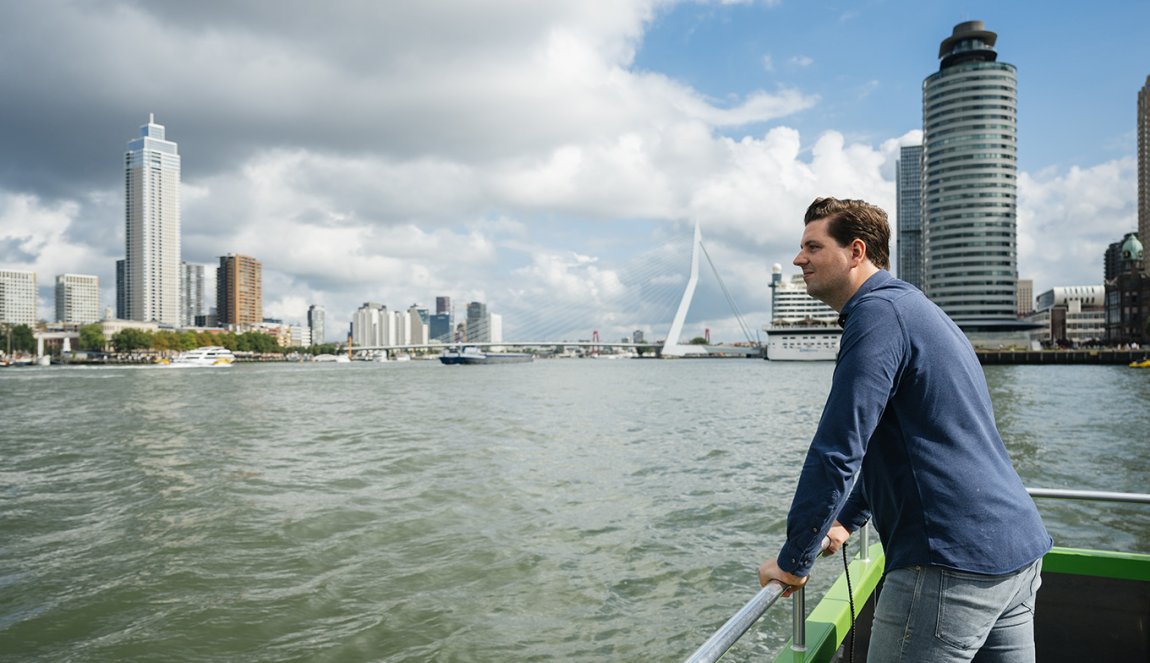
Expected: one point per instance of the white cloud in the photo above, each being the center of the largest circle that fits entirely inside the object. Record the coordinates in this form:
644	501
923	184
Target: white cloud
1094	206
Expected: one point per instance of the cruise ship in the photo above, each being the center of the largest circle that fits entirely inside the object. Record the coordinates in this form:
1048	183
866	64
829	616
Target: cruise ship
802	328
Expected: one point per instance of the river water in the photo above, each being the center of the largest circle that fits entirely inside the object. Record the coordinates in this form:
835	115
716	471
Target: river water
566	510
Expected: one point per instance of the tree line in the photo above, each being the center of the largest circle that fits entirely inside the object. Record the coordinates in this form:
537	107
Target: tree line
135	340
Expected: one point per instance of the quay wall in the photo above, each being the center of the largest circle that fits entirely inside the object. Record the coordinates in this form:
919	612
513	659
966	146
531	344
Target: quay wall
1088	356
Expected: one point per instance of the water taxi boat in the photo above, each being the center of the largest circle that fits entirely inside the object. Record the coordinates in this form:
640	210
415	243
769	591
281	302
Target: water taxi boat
210	356
1093	604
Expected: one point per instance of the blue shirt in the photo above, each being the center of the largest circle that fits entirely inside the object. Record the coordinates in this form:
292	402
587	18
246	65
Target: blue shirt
909	406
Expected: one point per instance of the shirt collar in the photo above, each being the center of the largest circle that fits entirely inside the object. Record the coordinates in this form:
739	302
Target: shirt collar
877	279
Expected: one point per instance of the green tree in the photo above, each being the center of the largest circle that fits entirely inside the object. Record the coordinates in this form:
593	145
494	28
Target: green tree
165	340
92	337
19	337
130	340
699	340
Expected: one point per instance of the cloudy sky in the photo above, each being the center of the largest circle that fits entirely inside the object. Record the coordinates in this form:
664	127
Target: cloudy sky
548	158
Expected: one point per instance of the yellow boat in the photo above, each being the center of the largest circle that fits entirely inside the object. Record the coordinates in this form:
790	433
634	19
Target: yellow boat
1145	363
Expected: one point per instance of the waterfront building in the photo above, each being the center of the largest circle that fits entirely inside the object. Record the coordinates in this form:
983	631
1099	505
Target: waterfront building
1024	300
239	291
970	155
1128	296
369	326
908	242
478	323
441	324
418	324
191	293
152	237
122	289
17	297
301	336
439	328
77	298
1144	167
1070	316
315	323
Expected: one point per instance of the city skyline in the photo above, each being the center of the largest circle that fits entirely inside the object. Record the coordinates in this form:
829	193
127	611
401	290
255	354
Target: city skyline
395	154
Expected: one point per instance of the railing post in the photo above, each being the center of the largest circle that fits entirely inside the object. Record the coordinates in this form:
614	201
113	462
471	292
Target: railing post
799	621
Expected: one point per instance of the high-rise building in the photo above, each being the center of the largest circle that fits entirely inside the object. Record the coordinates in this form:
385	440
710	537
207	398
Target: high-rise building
908	183
77	298
122	289
1144	168
17	297
970	166
315	321
239	290
478	323
442	305
418	320
191	293
152	237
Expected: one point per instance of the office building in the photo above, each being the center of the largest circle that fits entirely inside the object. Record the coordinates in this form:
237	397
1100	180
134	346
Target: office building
1144	167
239	291
1024	299
17	297
970	155
315	322
1070	316
191	293
152	238
478	323
908	185
440	324
77	298
121	289
417	325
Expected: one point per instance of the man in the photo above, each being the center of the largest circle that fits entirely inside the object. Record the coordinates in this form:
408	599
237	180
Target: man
910	409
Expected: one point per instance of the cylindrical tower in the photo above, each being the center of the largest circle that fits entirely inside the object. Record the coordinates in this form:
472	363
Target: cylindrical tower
969	183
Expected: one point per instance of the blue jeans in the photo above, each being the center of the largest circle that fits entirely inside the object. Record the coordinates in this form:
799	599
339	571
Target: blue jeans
936	615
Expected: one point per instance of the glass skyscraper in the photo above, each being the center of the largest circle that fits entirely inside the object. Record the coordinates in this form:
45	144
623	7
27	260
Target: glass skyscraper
970	175
152	238
908	183
1144	169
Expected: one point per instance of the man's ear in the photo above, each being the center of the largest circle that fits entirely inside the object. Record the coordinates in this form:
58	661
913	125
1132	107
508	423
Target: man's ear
858	251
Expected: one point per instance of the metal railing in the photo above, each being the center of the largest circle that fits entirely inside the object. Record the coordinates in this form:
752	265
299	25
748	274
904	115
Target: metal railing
730	632
1096	495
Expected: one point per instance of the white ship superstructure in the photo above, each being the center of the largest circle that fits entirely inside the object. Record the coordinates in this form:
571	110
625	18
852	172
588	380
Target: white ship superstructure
802	328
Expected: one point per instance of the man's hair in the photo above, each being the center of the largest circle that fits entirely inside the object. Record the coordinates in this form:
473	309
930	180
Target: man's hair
849	220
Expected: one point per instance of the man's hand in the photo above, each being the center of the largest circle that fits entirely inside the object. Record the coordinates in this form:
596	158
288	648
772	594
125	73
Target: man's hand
837	535
770	571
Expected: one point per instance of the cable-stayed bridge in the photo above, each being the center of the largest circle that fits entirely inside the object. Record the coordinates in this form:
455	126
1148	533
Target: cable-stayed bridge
657	290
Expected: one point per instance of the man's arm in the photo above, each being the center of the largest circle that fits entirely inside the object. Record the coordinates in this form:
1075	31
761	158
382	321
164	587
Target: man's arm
870	359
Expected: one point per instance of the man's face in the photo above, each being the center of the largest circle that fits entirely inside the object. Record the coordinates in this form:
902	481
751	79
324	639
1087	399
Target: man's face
825	264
